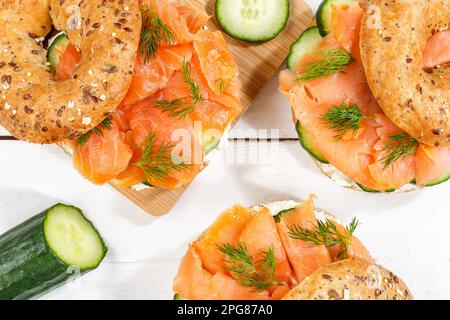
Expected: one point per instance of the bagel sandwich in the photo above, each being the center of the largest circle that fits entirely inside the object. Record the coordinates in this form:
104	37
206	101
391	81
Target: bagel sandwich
282	250
139	91
369	91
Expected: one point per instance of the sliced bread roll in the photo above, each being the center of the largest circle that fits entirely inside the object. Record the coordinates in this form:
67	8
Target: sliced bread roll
351	279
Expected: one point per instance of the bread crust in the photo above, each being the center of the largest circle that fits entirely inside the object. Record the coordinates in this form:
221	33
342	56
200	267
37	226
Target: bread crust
394	35
36	108
351	279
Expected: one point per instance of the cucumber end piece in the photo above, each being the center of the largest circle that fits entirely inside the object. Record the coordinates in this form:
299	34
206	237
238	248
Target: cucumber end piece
179	297
73	238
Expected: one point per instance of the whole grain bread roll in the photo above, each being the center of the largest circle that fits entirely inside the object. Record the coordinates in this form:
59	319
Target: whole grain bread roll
351	279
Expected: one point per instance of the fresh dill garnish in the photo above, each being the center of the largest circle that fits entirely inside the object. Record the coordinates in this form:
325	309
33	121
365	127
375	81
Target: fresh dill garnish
221	85
331	61
178	108
193	86
399	146
240	262
344	118
156	161
154	31
181	108
326	233
106	124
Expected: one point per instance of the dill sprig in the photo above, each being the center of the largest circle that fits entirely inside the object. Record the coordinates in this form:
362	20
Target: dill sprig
177	108
399	146
260	276
106	124
326	233
331	61
153	32
181	108
221	85
344	118
193	86
156	160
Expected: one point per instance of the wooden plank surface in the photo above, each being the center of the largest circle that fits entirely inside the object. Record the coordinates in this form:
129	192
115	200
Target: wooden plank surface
258	63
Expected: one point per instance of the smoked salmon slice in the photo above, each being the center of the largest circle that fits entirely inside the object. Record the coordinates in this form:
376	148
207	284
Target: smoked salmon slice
198	284
145	119
355	250
304	258
346	25
151	76
211	114
218	65
226	288
176	22
133	175
103	156
398	173
226	229
196	19
437	50
67	64
206	271
431	163
192	279
260	233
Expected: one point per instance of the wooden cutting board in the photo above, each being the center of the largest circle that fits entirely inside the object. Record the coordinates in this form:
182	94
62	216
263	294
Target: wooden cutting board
258	64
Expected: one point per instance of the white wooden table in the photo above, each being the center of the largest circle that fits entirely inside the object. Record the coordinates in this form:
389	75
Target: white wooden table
407	233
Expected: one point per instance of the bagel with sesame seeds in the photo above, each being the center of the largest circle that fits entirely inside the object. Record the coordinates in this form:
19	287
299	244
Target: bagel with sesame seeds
397	40
34	106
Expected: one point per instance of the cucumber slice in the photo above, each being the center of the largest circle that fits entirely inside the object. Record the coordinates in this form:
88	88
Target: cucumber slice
47	251
253	20
73	238
307	145
307	41
323	16
56	50
369	190
444	178
179	297
210	144
281	214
